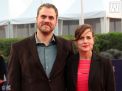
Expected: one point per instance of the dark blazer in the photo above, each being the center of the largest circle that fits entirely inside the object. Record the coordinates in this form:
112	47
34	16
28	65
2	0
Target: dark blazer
26	73
101	77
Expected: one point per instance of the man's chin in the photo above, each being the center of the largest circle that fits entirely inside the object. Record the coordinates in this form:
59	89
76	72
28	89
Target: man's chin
46	32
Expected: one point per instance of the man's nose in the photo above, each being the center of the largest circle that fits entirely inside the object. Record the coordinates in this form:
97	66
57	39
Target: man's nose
47	19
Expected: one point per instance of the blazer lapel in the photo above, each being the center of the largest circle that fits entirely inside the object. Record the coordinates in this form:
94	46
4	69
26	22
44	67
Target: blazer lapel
59	61
35	55
75	68
94	67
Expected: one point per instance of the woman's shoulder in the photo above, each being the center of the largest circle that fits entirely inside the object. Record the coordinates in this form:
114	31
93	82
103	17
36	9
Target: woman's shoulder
101	58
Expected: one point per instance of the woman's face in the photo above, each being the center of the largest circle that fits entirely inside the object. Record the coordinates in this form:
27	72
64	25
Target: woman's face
86	41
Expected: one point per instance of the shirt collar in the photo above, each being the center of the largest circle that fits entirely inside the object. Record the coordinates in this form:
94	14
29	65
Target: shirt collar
39	42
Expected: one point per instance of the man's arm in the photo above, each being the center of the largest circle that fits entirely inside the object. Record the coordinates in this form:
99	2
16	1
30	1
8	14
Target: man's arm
14	70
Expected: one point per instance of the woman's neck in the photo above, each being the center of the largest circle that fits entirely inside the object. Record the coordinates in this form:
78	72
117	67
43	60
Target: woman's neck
85	55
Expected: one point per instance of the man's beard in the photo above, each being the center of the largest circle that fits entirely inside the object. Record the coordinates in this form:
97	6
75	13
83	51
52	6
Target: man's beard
43	28
45	32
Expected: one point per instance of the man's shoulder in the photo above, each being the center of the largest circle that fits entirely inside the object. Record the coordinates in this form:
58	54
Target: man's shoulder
66	44
23	42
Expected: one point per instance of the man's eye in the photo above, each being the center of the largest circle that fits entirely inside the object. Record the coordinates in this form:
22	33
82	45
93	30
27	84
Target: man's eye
43	16
51	17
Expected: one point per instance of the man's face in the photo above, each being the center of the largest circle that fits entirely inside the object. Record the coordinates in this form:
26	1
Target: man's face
46	20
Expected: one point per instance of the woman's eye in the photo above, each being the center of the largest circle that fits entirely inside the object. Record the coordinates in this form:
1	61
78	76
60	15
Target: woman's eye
88	37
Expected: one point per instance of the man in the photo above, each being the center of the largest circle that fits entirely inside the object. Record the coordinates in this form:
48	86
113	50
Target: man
37	63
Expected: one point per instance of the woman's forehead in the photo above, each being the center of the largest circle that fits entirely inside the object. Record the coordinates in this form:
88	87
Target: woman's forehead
87	31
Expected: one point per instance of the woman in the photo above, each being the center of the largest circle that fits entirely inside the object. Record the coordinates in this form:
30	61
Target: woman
86	70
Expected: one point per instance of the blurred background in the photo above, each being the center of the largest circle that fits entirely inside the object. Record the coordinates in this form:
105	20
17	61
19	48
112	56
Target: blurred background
18	17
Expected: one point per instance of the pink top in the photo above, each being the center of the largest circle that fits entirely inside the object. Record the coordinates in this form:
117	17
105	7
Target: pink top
83	75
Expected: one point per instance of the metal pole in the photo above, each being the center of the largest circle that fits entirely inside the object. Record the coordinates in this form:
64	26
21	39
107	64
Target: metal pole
81	19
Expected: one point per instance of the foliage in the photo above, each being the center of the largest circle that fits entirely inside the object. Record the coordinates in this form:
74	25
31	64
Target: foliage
106	41
69	37
103	42
5	45
109	41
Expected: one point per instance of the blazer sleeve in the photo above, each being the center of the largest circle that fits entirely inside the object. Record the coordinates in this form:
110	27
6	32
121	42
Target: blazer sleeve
14	70
109	76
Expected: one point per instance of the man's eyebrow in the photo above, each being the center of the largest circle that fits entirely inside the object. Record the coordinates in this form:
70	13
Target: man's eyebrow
47	16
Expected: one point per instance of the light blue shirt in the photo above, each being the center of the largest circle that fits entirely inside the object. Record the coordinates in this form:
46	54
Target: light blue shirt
47	55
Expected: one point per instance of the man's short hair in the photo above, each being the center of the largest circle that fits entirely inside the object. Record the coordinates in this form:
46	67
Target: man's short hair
48	5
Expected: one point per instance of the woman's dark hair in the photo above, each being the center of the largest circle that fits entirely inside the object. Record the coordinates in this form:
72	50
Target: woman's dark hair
81	29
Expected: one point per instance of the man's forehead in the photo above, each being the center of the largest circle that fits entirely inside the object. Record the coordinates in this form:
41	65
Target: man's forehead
47	11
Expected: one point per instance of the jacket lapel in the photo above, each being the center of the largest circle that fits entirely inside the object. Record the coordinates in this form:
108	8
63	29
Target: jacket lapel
35	55
94	67
57	62
75	68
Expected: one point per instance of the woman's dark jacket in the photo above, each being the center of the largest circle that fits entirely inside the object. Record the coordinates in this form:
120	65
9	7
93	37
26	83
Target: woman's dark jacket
101	76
